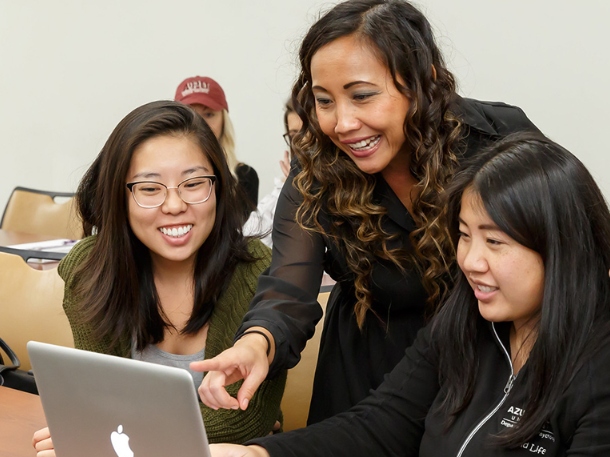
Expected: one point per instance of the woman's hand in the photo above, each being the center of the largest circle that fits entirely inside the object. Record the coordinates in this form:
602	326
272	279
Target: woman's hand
246	360
235	450
43	443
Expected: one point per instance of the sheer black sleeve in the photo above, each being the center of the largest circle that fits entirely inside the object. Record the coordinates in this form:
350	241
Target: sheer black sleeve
286	298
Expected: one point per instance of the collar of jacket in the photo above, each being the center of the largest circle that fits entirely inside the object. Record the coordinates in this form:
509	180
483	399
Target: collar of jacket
472	114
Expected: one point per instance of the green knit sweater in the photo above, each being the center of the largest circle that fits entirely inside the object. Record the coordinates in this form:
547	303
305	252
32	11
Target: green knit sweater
227	426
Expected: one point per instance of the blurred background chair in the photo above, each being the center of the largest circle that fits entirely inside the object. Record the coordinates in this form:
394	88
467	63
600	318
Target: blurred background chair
41	212
299	384
31	307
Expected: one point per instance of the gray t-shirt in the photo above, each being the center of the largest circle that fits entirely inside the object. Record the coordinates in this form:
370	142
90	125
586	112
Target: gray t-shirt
153	354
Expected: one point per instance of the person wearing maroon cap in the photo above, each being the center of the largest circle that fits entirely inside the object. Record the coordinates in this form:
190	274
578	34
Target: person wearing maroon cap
205	96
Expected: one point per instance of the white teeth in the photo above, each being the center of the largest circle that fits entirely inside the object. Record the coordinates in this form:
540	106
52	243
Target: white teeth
176	231
366	144
486	288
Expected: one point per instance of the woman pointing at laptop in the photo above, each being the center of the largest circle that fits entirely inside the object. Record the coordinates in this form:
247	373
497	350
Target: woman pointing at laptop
383	133
168	275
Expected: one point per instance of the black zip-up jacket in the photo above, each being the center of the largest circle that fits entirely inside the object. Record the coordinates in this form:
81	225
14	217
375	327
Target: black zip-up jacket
398	418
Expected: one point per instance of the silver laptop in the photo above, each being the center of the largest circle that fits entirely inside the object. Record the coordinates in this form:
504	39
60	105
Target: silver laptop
99	405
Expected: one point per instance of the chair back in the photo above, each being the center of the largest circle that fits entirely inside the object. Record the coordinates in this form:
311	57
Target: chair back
32	254
39	212
31	307
299	384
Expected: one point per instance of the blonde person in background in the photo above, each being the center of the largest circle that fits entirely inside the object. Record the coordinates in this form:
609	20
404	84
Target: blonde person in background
261	220
208	99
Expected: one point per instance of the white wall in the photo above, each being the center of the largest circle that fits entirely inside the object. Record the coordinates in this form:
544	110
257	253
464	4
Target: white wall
71	69
551	57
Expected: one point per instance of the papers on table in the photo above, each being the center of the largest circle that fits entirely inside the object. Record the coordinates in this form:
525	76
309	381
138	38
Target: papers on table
60	245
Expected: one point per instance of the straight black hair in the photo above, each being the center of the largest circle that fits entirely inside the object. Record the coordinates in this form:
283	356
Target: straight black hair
544	198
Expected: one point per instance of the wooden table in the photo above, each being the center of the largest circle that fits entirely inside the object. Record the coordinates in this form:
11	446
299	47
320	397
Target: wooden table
21	415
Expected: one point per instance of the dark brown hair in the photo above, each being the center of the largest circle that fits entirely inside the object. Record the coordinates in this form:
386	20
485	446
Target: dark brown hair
115	285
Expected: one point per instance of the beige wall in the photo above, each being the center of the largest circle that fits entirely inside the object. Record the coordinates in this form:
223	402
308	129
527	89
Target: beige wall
70	70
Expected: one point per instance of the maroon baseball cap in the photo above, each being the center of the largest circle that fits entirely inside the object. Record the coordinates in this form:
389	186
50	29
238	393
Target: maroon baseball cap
203	91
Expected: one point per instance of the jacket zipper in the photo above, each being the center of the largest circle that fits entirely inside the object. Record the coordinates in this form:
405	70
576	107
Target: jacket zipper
507	389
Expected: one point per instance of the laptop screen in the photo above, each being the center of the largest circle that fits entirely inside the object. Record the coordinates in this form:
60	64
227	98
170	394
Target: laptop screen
105	406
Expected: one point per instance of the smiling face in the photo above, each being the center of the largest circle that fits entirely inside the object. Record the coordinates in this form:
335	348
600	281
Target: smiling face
507	278
212	117
170	160
358	106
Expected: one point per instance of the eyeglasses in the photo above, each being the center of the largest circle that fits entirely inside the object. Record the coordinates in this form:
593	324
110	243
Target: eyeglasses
150	194
288	138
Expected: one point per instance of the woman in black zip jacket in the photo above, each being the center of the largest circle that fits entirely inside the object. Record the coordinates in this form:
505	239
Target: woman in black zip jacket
517	362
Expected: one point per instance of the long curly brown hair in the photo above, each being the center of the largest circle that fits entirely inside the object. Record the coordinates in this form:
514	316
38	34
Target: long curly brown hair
402	39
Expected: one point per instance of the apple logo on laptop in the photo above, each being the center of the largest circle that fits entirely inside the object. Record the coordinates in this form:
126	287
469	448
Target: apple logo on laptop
120	443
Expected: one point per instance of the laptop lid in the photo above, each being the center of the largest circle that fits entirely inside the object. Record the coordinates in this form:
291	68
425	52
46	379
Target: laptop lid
105	406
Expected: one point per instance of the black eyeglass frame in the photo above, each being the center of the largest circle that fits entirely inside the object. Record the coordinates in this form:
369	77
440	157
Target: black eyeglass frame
210	177
288	138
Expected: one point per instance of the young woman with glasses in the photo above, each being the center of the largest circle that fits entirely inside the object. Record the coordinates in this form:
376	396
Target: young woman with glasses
168	276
